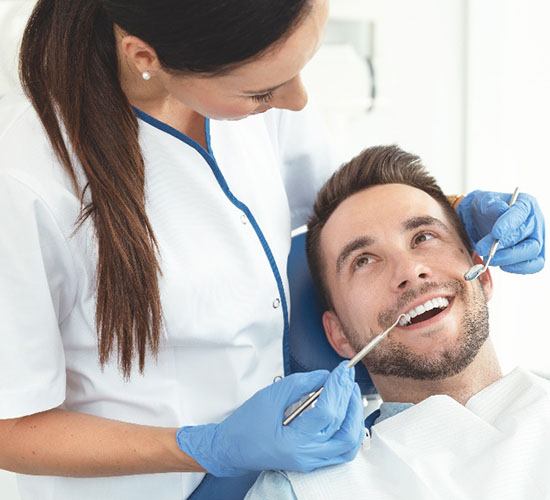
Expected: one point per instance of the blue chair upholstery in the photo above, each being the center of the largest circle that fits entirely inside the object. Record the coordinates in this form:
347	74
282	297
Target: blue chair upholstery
309	348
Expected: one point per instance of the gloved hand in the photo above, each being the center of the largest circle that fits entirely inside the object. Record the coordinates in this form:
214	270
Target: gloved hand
253	438
520	229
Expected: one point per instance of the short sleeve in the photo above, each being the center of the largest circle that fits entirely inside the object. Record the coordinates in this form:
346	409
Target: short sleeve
273	485
307	158
34	290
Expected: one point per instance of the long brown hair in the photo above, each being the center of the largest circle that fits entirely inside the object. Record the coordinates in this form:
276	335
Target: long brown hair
69	71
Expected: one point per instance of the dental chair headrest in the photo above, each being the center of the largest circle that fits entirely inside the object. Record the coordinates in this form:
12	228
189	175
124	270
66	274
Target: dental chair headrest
309	347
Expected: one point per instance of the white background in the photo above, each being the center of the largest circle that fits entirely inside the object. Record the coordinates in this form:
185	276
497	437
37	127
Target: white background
463	83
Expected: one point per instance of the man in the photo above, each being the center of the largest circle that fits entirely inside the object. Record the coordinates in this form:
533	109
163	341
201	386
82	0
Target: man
384	241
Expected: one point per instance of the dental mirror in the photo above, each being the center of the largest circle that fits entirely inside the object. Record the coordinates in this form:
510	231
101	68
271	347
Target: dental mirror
477	270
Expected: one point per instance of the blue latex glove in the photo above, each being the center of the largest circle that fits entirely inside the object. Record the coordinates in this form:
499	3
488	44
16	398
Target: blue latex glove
253	438
520	229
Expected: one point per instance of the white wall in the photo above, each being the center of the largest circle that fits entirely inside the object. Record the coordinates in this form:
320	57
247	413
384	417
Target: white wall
508	123
13	16
419	59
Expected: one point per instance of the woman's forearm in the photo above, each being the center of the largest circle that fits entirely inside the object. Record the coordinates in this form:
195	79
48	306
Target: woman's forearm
63	443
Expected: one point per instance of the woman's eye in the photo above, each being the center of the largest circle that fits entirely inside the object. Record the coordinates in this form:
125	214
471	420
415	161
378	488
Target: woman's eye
263	98
422	237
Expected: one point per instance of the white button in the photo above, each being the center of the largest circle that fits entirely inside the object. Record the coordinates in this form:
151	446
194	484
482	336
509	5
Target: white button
244	219
278	378
276	303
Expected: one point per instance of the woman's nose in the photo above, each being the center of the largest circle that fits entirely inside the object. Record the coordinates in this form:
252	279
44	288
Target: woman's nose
294	97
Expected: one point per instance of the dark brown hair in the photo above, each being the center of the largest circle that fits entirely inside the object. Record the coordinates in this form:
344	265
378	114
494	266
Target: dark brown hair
374	166
69	71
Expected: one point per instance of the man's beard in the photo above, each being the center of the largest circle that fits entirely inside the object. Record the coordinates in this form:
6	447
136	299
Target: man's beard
397	360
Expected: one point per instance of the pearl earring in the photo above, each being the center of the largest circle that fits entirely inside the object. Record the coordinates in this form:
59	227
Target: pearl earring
146	75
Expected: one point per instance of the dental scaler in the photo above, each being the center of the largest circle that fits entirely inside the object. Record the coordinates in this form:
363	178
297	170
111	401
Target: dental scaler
476	271
308	400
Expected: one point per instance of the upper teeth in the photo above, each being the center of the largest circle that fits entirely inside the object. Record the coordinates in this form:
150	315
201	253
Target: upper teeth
440	302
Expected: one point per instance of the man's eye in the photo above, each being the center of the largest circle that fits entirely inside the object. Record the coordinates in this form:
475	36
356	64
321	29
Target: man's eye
422	237
362	261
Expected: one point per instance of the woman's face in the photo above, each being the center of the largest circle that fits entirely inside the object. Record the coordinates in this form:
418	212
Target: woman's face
271	81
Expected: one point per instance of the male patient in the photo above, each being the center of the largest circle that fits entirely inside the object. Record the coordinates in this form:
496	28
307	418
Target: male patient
384	241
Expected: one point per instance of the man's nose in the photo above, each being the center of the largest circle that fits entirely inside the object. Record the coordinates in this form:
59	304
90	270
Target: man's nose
409	273
294	96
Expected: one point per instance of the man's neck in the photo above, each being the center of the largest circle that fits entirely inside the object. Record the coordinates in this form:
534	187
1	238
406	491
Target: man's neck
482	372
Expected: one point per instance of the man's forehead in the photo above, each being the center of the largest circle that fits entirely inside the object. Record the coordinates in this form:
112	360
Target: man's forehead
379	208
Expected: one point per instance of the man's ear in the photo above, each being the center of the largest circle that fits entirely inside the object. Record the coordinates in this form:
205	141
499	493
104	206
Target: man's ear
485	279
335	335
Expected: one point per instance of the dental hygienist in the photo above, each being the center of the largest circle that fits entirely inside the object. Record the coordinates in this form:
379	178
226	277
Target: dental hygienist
149	181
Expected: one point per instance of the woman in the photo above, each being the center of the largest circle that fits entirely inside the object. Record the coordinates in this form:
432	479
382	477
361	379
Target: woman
145	293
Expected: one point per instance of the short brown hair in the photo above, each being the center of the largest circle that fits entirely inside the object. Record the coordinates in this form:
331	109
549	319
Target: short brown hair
374	166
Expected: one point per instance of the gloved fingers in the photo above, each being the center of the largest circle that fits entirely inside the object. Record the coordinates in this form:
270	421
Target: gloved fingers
513	217
527	267
511	238
335	452
353	427
525	251
297	385
334	401
350	435
330	409
490	206
348	456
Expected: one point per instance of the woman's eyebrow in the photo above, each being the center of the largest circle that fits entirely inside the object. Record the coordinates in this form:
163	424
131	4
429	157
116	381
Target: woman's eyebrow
265	91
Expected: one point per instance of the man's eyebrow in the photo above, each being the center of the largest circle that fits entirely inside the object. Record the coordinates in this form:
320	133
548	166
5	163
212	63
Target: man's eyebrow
352	246
425	220
365	241
264	91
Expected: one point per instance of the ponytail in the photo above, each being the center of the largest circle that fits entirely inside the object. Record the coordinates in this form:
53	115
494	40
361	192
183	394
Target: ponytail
69	71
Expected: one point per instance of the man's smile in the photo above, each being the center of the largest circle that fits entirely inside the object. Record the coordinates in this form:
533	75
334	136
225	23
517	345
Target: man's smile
425	309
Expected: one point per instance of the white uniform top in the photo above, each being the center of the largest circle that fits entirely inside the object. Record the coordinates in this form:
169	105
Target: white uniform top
222	219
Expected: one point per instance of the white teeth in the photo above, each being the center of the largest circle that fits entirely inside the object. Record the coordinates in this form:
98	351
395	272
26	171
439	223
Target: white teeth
405	320
421	309
439	302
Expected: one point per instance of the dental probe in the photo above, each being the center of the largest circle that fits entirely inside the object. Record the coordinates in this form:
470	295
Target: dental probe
475	271
373	343
303	404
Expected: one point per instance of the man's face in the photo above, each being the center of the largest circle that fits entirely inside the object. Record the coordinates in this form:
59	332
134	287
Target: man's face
388	250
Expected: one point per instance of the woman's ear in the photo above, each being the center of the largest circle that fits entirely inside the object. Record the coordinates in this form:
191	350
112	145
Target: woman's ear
137	52
485	279
335	335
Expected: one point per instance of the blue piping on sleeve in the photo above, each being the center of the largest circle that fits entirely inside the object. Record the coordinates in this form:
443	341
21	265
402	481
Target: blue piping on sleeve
209	158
